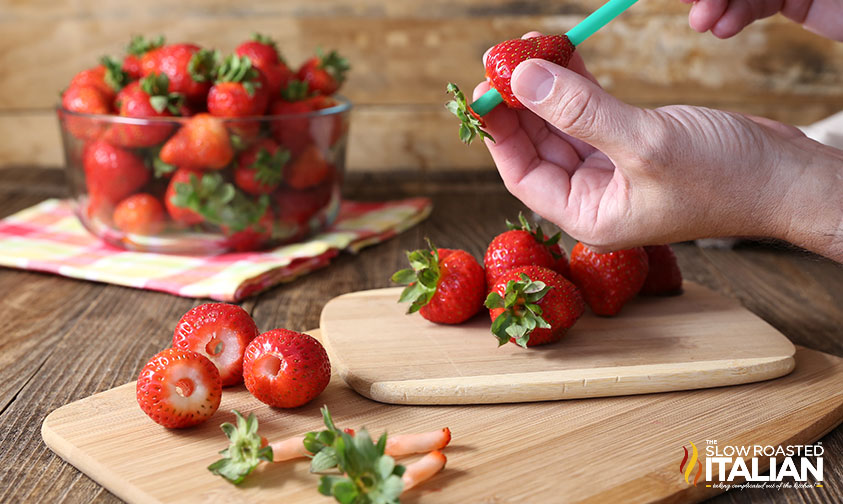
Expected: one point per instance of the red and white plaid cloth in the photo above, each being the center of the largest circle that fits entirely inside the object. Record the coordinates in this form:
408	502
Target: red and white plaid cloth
48	237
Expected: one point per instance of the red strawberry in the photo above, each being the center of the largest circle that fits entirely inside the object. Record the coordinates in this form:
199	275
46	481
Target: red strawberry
238	90
263	53
108	78
259	167
532	305
141	214
146	98
297	208
325	73
179	388
202	143
112	173
286	369
608	281
253	237
220	332
136	49
292	128
85	100
446	286
186	65
523	246
664	277
309	169
176	207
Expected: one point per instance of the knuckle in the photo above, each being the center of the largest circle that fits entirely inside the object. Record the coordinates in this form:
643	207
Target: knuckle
575	112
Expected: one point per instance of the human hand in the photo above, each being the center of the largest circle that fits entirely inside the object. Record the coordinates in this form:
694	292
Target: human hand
725	18
615	176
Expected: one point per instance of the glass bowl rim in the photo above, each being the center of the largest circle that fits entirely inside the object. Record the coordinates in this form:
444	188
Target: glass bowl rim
343	106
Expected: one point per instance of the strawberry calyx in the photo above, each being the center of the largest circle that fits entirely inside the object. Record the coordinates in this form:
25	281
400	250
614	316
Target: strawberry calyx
266	40
334	64
156	86
268	167
537	233
244	452
471	125
238	69
139	45
115	77
219	202
421	278
295	90
521	315
203	64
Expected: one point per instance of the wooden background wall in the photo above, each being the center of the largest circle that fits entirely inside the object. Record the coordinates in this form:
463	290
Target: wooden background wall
403	53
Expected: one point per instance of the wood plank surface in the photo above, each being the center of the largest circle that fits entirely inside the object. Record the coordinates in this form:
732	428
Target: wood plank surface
111	440
656	344
797	293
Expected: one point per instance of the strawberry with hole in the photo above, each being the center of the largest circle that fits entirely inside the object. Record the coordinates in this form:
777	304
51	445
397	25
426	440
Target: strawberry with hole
265	57
533	305
664	277
136	50
179	388
187	66
202	143
309	169
112	173
147	98
608	281
524	246
445	286
259	168
324	73
220	332
286	369
140	214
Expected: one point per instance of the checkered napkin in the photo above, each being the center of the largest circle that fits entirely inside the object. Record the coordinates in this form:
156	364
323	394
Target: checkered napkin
48	237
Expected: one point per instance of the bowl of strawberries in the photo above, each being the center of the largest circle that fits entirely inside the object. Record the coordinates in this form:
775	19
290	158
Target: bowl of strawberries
181	149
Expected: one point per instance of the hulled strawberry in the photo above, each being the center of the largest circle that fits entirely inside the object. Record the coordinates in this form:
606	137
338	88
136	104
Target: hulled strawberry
664	277
286	369
187	66
532	305
259	168
264	54
112	173
179	388
445	286
524	246
309	169
608	281
202	143
136	50
140	214
220	332
145	98
325	73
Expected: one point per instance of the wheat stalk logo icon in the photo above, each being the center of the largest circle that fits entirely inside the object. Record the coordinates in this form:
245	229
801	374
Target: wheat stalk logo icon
687	470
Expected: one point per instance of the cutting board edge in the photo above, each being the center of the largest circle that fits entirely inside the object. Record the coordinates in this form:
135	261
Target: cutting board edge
602	382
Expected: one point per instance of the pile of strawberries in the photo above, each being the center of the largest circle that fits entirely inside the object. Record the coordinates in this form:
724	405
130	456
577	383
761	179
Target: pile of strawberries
217	345
251	157
533	293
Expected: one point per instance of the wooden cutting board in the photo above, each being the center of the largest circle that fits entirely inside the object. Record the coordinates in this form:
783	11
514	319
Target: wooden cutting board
697	340
615	449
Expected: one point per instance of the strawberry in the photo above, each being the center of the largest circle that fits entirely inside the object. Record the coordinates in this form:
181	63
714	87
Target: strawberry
524	246
532	305
297	208
140	213
107	77
181	212
84	99
238	90
136	49
202	143
325	73
179	388
664	277
286	369
220	332
258	169
608	281
446	286
146	98
263	52
293	129
309	169
253	237
194	197
112	173
187	66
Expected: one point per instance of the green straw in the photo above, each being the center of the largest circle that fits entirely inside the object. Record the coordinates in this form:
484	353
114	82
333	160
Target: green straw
577	35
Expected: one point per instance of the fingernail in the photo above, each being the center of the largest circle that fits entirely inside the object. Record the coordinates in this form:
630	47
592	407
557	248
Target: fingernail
532	82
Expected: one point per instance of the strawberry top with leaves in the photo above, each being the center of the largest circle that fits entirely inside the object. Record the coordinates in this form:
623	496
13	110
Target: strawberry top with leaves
135	50
264	54
245	451
238	90
194	197
532	305
260	167
148	97
608	280
108	77
188	67
325	73
445	286
524	246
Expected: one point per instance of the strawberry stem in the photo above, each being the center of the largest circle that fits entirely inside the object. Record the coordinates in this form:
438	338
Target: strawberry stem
471	124
521	315
421	278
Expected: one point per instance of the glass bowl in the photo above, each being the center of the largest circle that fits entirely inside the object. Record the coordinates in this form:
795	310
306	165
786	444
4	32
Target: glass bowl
205	185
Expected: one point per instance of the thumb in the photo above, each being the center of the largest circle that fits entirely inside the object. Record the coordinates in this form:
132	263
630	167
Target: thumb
577	106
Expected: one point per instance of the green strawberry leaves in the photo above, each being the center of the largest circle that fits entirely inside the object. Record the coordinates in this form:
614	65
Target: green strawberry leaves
203	65
218	202
268	167
471	126
238	69
334	64
295	90
537	233
157	87
115	77
521	314
244	452
139	45
421	278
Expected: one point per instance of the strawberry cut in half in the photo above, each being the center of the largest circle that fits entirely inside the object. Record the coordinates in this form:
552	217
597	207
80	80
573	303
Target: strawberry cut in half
179	388
220	332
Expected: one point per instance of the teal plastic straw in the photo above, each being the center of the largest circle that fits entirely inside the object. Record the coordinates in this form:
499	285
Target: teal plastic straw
577	35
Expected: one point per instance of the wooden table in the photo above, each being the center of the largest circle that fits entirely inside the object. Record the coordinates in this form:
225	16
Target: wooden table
62	339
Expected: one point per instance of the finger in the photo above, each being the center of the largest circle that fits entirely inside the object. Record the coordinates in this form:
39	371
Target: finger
577	64
739	15
531	34
786	130
705	13
550	145
577	106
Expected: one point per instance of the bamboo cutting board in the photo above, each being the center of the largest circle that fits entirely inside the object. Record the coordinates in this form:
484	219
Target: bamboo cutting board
697	340
615	449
